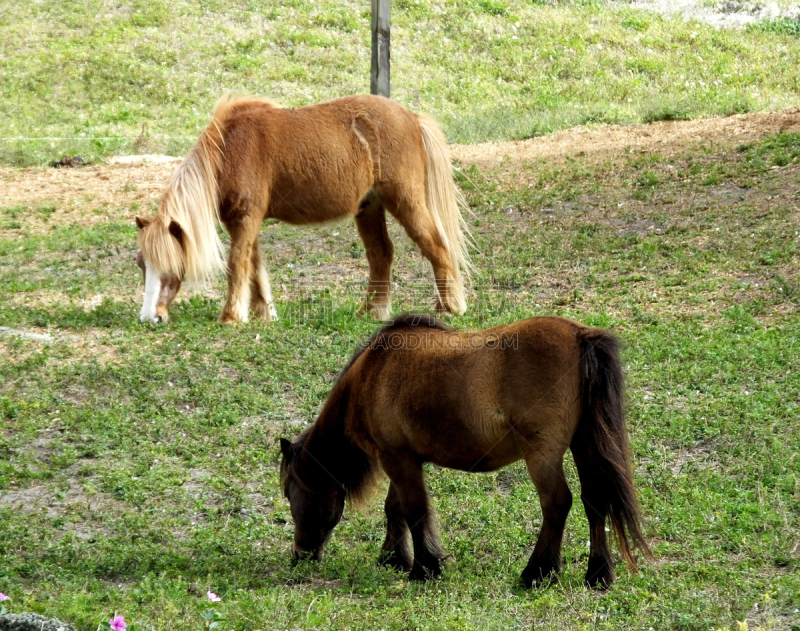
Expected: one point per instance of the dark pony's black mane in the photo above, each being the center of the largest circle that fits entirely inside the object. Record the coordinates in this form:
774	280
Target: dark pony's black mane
285	470
354	468
403	321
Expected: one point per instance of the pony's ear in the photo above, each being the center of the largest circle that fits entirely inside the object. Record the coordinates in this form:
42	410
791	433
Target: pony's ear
286	449
176	231
141	222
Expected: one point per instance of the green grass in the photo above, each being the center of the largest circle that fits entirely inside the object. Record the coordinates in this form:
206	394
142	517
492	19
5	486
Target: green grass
138	463
782	26
96	79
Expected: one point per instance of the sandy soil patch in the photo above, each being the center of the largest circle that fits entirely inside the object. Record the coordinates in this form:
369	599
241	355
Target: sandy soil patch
138	180
85	195
664	137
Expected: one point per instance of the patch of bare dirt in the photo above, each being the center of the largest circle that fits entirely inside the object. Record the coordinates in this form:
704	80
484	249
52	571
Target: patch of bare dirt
78	193
666	137
91	343
53	502
139	180
700	457
113	183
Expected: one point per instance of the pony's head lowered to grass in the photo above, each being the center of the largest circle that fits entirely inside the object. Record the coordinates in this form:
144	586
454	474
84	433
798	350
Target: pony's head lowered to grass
159	289
317	481
181	241
316	511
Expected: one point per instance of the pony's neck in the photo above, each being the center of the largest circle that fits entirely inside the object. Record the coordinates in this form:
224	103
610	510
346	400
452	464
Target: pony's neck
329	452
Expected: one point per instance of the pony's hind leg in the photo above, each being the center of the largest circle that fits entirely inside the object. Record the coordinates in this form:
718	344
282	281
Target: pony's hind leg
600	573
556	500
371	223
261	302
395	552
244	234
407	477
413	214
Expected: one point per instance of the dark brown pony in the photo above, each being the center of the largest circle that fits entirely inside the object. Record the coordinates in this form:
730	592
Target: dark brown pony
357	156
420	392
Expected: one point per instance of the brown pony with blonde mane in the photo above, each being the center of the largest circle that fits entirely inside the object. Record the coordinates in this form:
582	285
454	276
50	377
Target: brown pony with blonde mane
356	156
420	392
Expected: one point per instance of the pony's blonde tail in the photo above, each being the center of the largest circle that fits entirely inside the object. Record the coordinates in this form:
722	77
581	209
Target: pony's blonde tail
444	200
183	240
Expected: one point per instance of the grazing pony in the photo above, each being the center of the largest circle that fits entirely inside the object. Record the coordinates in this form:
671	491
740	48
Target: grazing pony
421	392
356	156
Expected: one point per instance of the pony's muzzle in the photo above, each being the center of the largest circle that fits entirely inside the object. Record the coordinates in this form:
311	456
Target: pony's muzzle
305	555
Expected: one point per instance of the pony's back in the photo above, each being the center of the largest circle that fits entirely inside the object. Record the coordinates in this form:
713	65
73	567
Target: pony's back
454	396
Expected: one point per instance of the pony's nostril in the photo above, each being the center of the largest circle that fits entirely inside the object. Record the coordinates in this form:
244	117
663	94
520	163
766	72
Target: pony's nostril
158	320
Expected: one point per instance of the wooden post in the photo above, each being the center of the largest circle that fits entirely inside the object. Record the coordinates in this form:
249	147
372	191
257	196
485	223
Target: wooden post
379	75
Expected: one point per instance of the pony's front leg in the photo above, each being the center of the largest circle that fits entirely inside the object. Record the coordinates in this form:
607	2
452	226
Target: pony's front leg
371	223
244	234
395	552
407	477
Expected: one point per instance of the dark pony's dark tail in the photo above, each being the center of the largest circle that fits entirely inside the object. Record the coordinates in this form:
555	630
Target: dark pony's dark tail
604	439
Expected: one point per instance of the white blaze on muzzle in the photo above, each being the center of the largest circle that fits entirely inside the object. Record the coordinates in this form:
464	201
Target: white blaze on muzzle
152	289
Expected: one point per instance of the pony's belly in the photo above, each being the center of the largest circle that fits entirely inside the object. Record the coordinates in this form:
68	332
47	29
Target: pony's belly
302	201
305	212
482	464
476	456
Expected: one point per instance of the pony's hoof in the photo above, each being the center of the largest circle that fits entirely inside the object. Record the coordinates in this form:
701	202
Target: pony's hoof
529	582
394	561
227	318
419	575
424	573
539	577
449	309
450	301
600	574
265	312
380	312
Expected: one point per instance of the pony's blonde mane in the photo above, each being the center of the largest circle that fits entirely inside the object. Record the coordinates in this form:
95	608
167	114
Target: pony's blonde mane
191	200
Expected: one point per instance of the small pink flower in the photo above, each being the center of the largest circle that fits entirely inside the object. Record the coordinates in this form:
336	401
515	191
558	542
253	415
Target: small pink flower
4	597
118	623
213	597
